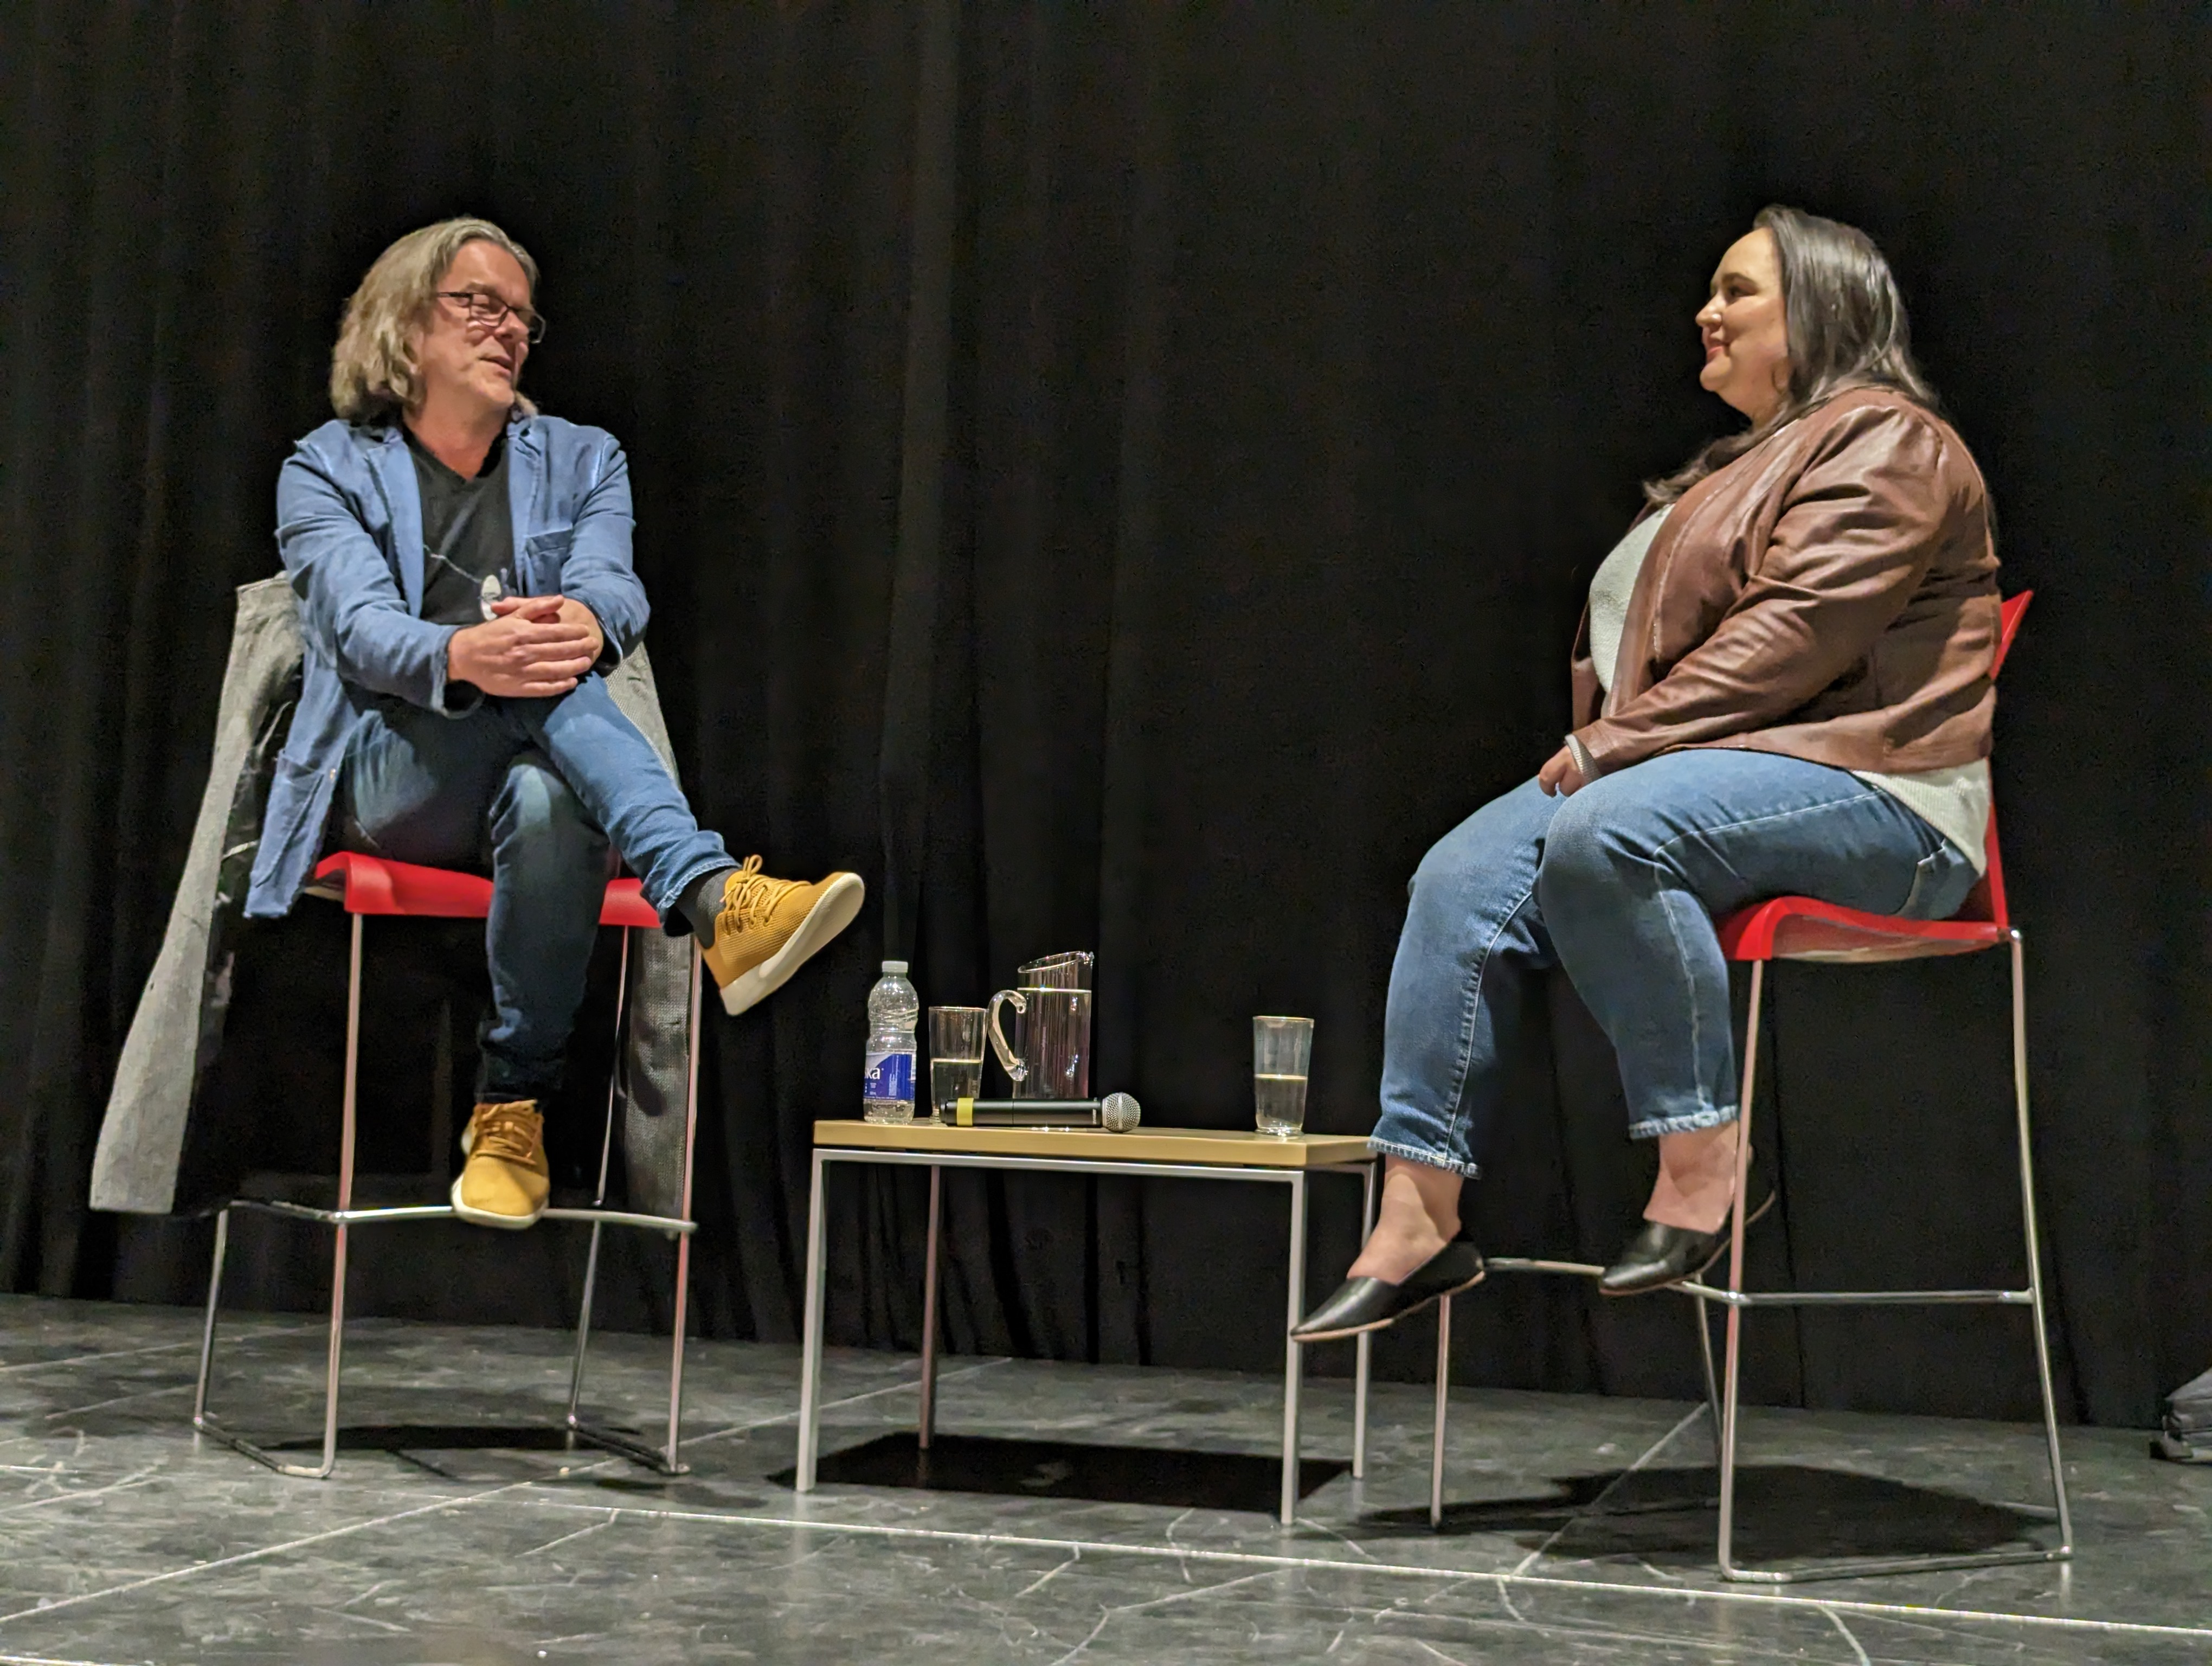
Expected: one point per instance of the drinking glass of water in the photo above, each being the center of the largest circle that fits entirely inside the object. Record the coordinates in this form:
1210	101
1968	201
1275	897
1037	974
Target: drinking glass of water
956	1056
1281	1049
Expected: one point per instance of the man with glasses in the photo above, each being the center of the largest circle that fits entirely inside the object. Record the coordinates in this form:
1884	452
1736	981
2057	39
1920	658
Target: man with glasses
463	565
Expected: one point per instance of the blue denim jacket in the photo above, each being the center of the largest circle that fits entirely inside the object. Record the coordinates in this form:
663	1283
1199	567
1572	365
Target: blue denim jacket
350	529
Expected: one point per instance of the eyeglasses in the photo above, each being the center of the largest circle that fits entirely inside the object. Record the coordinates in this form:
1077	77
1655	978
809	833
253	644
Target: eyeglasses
491	312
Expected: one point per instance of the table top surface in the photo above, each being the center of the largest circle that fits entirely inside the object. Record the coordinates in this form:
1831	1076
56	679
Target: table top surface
1227	1148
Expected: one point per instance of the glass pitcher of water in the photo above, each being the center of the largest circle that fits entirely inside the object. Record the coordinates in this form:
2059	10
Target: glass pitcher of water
1051	1056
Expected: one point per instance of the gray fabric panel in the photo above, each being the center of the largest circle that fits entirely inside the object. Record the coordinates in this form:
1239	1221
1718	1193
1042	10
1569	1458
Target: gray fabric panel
656	1054
656	1070
634	692
143	1133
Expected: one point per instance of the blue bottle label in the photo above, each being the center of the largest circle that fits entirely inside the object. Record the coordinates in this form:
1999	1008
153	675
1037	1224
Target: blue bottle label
889	1076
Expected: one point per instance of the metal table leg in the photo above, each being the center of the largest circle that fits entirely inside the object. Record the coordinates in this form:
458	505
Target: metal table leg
1292	1354
809	1366
928	1420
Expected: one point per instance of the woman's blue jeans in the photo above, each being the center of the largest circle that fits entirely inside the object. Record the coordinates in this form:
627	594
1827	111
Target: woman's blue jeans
1620	884
530	790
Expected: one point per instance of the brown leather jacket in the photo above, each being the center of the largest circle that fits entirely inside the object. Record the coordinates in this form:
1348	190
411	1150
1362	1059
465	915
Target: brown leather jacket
1831	595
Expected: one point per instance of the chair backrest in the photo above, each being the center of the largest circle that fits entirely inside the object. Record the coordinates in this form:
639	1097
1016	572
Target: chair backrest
1986	901
2009	616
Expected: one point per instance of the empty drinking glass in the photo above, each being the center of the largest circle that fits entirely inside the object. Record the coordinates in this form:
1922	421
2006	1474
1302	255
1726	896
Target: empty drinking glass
1281	1049
956	1056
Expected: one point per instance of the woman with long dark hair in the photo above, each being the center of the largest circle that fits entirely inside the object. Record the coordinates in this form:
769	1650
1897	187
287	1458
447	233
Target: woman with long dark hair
1782	685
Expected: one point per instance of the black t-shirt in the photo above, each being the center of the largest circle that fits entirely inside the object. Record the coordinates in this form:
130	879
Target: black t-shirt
468	535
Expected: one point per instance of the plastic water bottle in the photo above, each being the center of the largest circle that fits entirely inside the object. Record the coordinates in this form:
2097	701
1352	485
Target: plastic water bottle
887	1089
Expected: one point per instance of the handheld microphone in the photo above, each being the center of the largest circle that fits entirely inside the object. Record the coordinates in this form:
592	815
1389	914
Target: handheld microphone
1117	1113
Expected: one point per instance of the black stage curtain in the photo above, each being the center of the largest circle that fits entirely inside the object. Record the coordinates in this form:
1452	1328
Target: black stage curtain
1124	478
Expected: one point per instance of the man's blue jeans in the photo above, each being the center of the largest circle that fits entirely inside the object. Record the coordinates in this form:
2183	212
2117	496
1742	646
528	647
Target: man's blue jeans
1620	884
534	790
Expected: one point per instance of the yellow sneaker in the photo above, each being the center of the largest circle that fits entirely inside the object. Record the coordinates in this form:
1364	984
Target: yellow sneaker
505	1181
768	928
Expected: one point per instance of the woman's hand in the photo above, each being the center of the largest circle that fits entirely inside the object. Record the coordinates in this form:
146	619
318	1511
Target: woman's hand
1561	777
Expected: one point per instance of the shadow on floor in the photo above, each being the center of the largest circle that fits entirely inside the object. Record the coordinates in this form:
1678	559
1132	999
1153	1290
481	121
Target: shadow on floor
1067	1469
1784	1513
416	1443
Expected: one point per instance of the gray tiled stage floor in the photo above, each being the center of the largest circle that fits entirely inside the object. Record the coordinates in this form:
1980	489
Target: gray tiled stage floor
121	1540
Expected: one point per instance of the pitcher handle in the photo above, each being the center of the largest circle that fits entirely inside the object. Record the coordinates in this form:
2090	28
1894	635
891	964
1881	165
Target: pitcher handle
1016	1070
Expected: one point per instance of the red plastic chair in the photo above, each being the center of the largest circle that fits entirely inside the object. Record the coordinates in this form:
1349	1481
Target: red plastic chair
1800	928
365	885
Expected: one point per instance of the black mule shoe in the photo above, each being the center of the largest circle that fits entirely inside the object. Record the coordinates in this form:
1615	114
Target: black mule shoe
1371	1304
1660	1255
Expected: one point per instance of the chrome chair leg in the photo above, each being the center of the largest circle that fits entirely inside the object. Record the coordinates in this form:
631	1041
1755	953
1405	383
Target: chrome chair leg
665	1459
1712	1380
1731	1386
671	1463
350	1121
600	1196
1443	1400
676	1466
214	1305
1364	1348
1731	1378
2034	1254
583	1329
337	1355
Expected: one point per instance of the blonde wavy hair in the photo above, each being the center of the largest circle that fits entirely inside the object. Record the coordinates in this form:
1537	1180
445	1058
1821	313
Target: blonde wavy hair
373	372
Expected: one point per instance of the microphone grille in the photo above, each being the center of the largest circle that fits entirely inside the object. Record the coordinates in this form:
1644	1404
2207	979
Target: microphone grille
1120	1112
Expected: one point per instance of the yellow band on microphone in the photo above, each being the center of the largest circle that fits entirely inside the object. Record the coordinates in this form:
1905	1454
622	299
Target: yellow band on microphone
963	1113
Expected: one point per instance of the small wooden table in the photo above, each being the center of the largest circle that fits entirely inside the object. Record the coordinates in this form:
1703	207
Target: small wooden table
1173	1153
